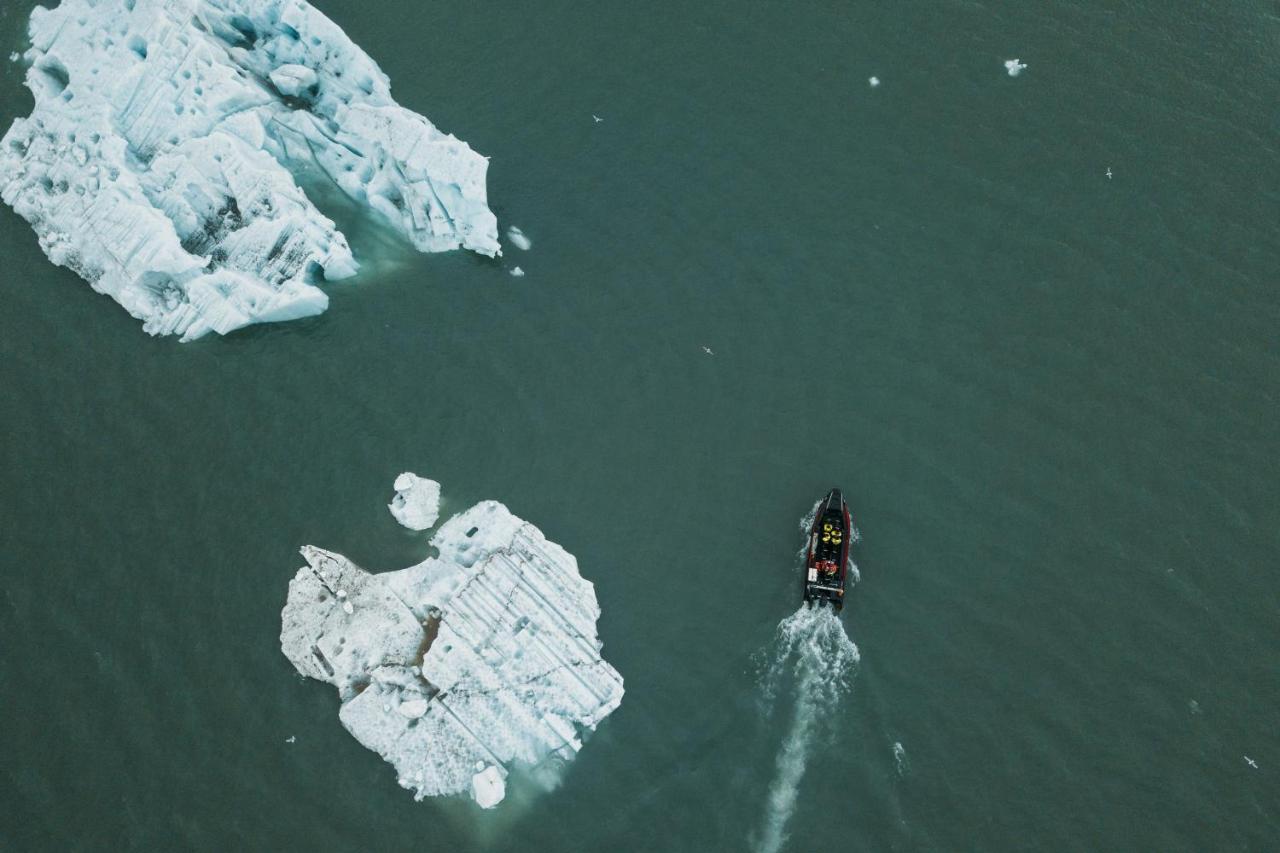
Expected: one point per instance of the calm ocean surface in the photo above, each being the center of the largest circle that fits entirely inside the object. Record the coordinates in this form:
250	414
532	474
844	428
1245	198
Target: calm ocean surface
1050	397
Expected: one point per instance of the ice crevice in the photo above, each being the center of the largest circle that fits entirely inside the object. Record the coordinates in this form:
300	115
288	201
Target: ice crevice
158	162
464	666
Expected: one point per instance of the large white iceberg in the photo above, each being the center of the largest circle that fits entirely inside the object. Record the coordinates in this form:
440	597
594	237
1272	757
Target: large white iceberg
463	666
156	163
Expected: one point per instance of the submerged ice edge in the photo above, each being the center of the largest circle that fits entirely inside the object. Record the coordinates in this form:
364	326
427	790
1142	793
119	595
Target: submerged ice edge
156	161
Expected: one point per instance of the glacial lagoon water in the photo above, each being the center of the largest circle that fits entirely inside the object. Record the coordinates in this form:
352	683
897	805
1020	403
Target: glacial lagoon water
1049	395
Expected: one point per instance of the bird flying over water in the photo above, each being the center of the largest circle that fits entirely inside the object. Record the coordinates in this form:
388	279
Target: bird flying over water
597	118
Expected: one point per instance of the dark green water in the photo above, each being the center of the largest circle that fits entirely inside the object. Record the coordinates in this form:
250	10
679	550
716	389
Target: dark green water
1050	397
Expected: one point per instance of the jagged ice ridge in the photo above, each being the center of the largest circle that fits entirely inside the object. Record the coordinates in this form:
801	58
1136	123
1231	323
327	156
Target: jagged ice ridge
157	161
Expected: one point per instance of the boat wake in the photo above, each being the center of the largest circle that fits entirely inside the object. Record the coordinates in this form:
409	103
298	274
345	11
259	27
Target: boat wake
812	661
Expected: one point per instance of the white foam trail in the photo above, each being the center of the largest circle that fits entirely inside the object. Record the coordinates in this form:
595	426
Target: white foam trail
806	527
815	660
807	522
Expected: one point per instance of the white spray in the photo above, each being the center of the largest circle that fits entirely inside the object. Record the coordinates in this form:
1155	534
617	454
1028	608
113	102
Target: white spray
815	660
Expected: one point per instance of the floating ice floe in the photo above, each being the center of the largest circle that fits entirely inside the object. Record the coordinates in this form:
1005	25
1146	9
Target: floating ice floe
1014	66
518	239
488	787
873	82
463	666
157	161
517	272
417	501
15	56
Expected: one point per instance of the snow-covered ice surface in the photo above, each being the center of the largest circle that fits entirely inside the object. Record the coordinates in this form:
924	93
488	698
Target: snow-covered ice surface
417	501
156	163
463	666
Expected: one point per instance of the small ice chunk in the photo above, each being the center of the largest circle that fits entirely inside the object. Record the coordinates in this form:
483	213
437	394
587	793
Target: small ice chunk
487	787
290	739
15	56
900	757
1014	66
518	239
348	608
413	709
417	501
293	79
873	82
517	272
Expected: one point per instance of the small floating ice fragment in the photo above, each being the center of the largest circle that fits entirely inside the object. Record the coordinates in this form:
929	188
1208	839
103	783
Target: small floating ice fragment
1014	66
873	82
518	239
487	787
517	272
290	739
417	501
15	56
